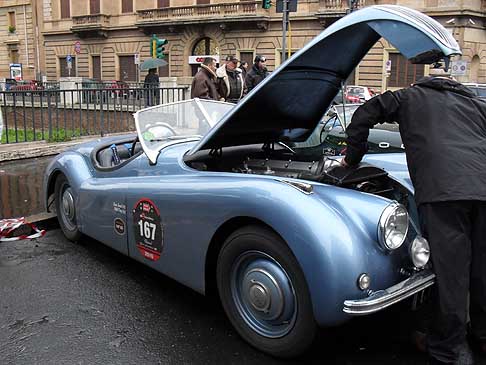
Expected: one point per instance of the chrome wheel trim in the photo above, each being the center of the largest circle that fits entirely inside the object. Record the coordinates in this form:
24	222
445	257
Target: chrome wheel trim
263	294
67	209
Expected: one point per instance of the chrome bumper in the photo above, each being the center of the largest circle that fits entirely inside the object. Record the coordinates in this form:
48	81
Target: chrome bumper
384	298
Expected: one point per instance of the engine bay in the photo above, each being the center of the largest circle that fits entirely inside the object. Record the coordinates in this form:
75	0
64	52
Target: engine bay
289	163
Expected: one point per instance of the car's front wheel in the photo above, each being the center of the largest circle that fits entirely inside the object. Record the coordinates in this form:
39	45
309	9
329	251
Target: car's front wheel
65	209
264	292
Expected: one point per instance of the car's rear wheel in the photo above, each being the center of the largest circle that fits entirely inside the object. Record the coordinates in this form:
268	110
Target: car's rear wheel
264	292
66	209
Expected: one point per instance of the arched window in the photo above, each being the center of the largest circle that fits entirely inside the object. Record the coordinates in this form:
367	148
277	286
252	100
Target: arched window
204	47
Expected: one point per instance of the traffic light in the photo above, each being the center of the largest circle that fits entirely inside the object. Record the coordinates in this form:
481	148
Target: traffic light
157	46
266	4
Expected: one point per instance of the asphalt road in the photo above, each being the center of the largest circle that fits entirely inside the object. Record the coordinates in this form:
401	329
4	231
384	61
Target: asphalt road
66	303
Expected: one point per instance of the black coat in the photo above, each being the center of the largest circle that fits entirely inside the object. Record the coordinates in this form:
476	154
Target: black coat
443	128
254	77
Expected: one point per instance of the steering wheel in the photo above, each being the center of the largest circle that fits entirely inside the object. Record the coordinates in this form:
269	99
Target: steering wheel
159	130
134	143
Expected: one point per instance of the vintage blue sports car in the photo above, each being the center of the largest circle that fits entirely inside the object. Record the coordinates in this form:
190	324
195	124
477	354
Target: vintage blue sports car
215	196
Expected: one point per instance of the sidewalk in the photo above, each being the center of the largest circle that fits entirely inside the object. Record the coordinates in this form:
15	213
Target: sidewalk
23	150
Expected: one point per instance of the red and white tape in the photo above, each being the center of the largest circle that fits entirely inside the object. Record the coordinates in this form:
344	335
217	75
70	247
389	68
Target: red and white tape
7	226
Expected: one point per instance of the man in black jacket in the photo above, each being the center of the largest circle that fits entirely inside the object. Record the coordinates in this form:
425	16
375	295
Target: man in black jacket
151	86
443	127
257	73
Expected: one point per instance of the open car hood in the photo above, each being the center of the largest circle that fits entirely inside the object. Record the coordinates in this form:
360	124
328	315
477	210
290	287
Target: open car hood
288	104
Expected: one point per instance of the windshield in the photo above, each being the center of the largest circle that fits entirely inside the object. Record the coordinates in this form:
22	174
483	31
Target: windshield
329	138
161	125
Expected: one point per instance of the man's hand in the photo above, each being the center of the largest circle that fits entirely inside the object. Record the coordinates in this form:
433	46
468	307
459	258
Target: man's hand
344	163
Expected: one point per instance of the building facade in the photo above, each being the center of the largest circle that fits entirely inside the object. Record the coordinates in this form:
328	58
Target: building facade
106	39
20	42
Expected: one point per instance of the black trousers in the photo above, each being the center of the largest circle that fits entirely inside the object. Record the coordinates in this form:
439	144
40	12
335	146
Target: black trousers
456	231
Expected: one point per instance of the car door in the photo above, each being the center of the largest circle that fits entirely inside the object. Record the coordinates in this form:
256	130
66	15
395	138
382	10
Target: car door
103	210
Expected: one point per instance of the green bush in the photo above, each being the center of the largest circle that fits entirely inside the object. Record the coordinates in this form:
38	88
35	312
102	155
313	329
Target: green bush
60	135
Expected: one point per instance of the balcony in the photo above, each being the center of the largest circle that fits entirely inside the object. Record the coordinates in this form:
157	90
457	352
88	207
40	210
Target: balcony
330	10
224	13
12	38
91	25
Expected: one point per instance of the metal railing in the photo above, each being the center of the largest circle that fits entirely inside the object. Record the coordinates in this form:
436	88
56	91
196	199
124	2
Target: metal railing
58	115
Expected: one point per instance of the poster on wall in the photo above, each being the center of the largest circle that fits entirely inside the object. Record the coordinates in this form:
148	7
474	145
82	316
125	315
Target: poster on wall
16	71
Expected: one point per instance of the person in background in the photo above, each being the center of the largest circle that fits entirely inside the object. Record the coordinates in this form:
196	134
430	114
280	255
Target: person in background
204	84
231	84
151	85
244	69
443	127
257	73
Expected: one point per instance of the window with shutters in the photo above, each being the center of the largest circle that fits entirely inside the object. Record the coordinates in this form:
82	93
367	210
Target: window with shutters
65	9
63	65
96	67
127	6
163	3
128	68
11	19
94	6
403	73
14	56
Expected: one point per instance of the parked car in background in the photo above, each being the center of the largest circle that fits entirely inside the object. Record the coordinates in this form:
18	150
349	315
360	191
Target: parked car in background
29	85
117	88
215	196
362	93
478	89
9	83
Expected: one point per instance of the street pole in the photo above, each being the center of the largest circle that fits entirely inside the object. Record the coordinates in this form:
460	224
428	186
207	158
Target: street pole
285	16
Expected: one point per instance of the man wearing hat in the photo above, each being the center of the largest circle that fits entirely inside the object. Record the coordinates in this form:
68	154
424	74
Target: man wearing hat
443	127
231	84
257	73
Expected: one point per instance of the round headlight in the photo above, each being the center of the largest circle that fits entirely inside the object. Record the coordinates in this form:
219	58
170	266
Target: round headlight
393	226
420	252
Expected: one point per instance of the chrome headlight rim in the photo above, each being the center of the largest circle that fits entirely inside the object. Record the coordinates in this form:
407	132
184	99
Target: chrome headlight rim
388	213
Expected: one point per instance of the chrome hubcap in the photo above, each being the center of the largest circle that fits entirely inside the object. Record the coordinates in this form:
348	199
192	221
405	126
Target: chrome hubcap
68	212
68	204
263	294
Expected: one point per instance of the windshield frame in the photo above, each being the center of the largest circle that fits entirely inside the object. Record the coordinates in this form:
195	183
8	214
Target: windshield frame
153	147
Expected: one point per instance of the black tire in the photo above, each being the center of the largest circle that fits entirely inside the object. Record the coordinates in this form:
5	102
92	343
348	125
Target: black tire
250	300
65	210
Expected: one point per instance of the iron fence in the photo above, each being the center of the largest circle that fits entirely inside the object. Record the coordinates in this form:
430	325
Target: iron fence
56	115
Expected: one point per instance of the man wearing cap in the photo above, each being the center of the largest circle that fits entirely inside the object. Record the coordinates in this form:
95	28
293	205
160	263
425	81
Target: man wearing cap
257	73
231	84
443	127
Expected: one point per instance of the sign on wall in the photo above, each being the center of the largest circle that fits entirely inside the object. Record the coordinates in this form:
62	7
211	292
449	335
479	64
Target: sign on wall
196	60
458	68
16	71
77	47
